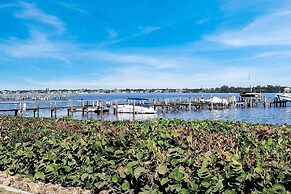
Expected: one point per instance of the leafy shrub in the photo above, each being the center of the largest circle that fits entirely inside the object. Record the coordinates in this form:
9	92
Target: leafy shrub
157	156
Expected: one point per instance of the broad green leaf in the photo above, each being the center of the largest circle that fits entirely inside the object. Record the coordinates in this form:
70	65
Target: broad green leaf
193	186
84	176
164	181
39	175
139	155
259	170
162	169
183	191
206	184
125	186
52	155
139	171
88	185
30	154
114	179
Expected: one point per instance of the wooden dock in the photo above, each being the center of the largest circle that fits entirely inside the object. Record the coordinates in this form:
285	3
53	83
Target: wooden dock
34	97
85	106
164	105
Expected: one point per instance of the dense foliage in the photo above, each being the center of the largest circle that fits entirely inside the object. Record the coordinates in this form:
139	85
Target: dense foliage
158	156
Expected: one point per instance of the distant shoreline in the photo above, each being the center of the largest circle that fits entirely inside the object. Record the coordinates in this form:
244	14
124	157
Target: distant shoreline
222	89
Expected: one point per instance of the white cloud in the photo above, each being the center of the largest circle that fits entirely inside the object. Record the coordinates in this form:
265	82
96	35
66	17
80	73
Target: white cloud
148	29
272	29
73	7
7	5
202	21
142	31
285	53
142	77
38	46
112	33
31	12
140	68
155	61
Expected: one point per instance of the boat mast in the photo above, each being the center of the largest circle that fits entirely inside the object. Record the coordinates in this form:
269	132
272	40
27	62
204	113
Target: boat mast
249	77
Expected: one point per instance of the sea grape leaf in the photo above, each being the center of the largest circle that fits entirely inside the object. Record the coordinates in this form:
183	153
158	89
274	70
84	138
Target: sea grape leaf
164	181
139	155
30	154
52	156
39	175
125	186
88	185
131	164
162	169
128	170
84	176
259	170
139	171
176	175
183	191
114	179
193	186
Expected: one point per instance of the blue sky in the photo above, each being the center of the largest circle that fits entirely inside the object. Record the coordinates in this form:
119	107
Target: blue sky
144	43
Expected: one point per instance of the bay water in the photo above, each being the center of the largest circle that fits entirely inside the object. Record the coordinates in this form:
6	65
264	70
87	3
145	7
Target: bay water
268	115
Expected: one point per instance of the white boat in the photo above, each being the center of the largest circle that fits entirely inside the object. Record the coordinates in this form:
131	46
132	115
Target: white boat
250	94
285	96
137	108
217	100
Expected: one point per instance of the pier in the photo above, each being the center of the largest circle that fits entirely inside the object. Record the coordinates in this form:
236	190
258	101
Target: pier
84	106
32	108
34	97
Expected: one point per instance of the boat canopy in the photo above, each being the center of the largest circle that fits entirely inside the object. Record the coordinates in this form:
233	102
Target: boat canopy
287	90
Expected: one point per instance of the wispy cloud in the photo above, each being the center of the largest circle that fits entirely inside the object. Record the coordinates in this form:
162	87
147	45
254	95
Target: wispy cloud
7	5
202	21
37	46
273	54
112	33
155	61
142	31
206	64
272	29
148	29
73	7
142	77
32	12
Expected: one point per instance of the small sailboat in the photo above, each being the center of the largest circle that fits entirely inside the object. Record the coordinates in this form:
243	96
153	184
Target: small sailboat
250	93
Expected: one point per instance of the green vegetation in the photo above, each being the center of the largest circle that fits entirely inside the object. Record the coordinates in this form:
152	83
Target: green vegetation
157	156
222	89
231	89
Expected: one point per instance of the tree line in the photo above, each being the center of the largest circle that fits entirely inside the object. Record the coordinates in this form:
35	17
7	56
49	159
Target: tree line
232	89
222	89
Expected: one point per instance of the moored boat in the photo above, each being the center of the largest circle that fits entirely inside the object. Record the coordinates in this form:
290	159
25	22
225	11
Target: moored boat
138	108
250	94
285	95
216	100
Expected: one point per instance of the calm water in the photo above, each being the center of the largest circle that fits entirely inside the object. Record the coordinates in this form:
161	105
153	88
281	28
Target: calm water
268	115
